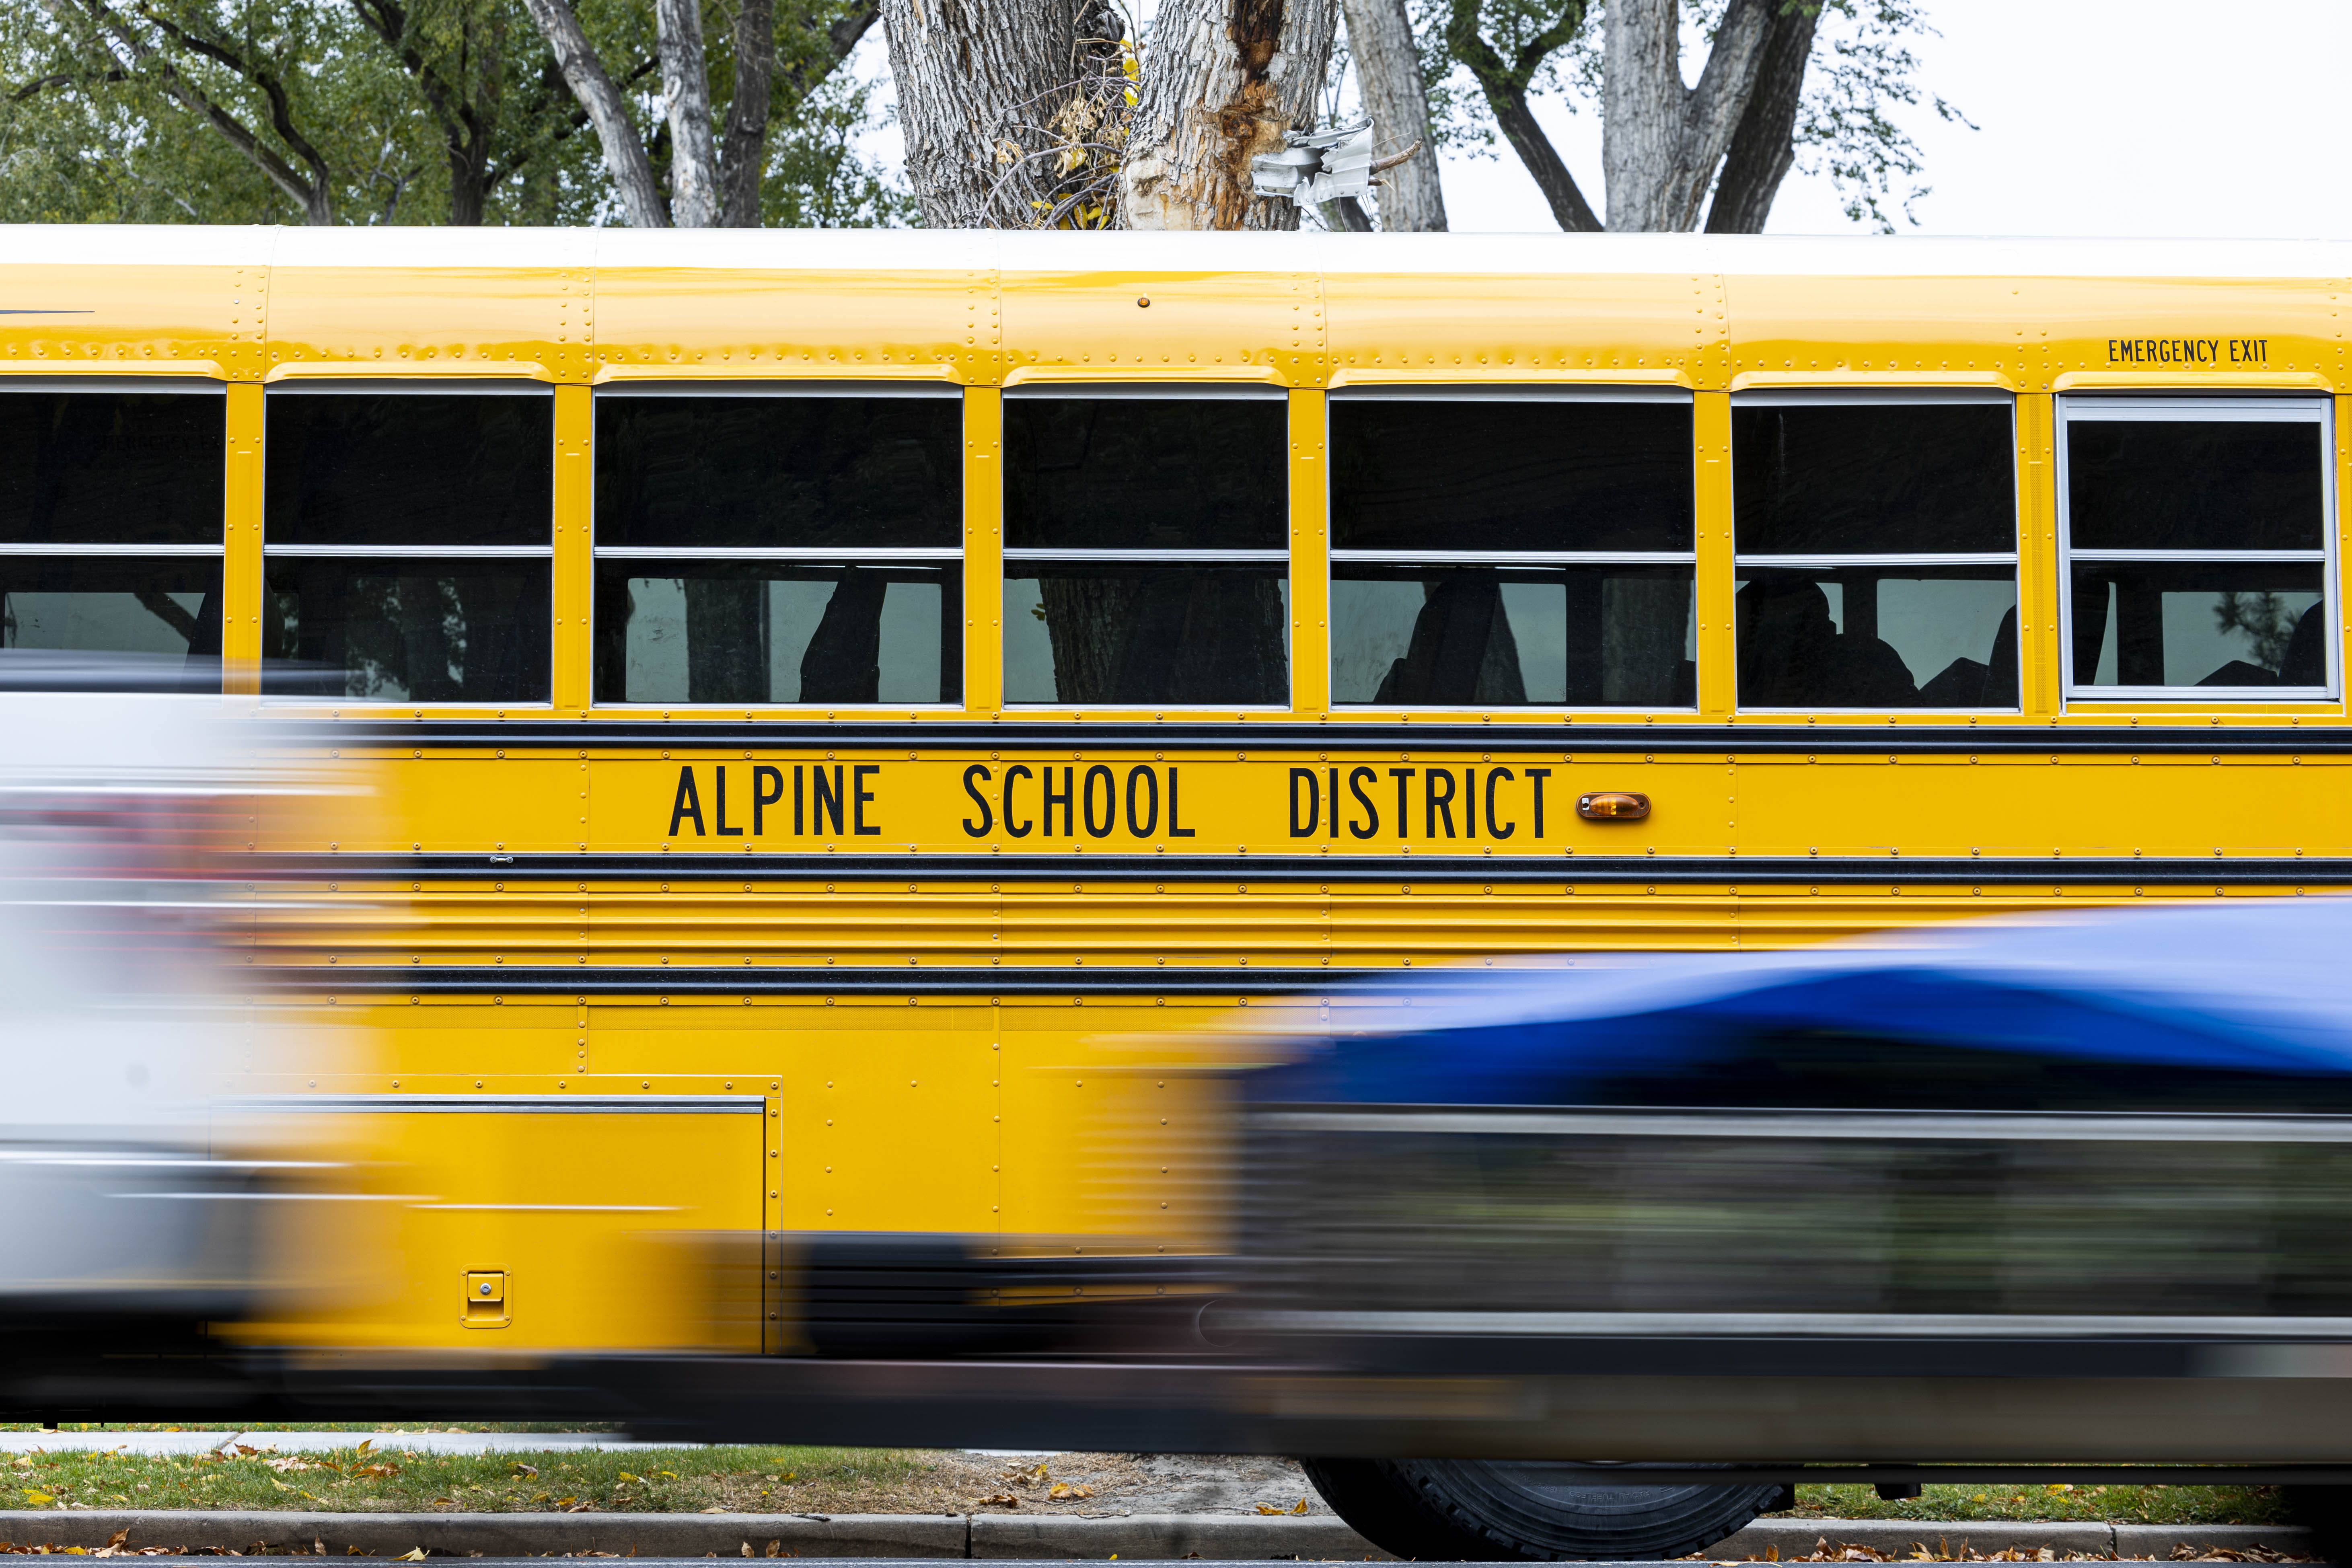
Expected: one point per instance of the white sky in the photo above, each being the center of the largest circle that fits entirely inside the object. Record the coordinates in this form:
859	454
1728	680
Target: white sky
2098	116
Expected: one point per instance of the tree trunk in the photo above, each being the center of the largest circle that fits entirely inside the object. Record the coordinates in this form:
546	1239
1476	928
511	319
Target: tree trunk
1764	146
625	150
1388	69
694	194
743	151
967	72
1222	81
1660	140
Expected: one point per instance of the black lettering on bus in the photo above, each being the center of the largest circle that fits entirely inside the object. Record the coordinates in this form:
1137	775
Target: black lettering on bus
1111	801
860	795
688	804
1143	824
987	817
1012	774
1537	776
800	818
1174	831
1403	777
1495	826
761	798
1066	798
720	789
1357	779
828	797
1469	802
1313	803
1436	803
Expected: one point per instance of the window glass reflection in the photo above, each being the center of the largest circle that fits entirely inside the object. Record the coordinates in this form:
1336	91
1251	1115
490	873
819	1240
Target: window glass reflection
1877	636
1145	473
112	467
1186	634
1515	637
768	632
410	468
2199	624
1873	479
1538	474
779	470
112	603
407	630
2165	484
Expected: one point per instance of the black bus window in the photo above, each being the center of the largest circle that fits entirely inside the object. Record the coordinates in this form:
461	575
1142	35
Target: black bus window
1876	542
408	541
1522	547
111	523
1146	559
1521	474
765	542
2196	537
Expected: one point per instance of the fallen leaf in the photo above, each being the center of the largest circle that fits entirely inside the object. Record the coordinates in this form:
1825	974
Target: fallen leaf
33	1497
1301	1508
1002	1500
415	1555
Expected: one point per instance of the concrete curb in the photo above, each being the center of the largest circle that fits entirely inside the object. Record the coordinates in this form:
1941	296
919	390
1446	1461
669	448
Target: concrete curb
1008	1536
1795	1537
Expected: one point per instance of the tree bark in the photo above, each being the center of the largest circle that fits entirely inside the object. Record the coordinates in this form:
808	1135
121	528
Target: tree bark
694	194
1387	71
967	73
743	150
1222	80
1661	140
1764	147
625	150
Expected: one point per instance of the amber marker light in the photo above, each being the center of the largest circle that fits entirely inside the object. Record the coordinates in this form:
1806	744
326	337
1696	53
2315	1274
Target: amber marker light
1612	806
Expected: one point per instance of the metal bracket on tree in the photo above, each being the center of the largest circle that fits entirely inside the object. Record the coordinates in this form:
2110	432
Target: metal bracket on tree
1311	169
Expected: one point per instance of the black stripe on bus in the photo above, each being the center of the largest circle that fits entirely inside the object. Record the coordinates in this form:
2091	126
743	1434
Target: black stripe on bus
1677	739
806	980
1747	871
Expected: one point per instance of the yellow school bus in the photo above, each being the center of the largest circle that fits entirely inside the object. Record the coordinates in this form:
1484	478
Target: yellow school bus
830	695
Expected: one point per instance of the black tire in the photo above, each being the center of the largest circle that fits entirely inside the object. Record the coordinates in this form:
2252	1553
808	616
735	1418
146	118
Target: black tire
2327	1512
1485	1511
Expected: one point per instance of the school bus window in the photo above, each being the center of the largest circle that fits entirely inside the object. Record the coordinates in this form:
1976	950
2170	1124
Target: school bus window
1876	549
2195	535
1532	547
111	531
1144	556
407	541
778	544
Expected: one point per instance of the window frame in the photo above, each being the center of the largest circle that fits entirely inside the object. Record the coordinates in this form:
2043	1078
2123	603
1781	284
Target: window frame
1474	392
177	385
416	386
2188	404
1886	396
1154	392
815	554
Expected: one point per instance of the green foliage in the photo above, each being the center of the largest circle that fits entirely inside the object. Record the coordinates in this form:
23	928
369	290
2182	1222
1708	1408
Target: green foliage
1940	1505
380	112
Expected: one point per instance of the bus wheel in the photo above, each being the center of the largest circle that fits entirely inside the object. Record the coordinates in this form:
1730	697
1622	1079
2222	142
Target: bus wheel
2325	1512
1473	1511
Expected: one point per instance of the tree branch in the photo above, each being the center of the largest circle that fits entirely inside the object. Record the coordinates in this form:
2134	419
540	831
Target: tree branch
1764	147
281	112
624	151
315	200
1506	90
